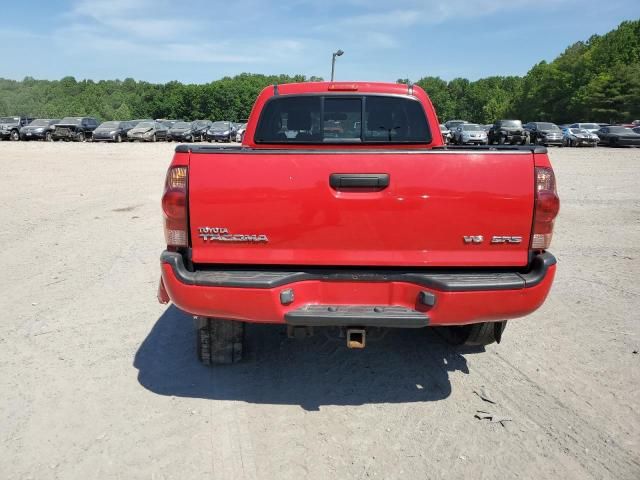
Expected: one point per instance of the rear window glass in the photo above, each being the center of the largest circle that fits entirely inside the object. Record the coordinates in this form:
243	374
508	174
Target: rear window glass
342	119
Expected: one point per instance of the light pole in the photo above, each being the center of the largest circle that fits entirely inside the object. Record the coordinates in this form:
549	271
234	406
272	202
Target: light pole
333	62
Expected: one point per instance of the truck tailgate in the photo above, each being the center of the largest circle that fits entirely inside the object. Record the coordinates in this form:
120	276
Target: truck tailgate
281	207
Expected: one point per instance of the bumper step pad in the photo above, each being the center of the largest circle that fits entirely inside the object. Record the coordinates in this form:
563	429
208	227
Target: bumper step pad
356	315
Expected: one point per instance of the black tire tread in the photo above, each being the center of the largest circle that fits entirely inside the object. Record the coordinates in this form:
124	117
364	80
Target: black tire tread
219	342
478	334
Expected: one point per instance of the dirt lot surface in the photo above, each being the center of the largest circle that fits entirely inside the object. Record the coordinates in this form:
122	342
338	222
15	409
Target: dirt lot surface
97	380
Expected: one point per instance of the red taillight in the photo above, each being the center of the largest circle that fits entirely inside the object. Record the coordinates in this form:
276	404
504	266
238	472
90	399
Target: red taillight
547	205
174	207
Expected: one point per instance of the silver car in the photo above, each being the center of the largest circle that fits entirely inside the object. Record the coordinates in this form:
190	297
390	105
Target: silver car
469	133
148	132
575	137
592	127
241	128
446	134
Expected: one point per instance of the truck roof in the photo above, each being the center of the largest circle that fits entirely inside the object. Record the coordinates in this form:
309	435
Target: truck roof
324	87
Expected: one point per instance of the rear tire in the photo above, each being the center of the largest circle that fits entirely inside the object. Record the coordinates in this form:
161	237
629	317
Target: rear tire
47	137
118	138
81	137
219	342
14	136
478	334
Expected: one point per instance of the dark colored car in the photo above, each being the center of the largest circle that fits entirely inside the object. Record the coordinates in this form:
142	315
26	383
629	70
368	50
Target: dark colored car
221	132
148	132
76	129
113	131
39	129
10	127
618	137
508	131
544	133
636	129
189	131
169	123
200	127
179	132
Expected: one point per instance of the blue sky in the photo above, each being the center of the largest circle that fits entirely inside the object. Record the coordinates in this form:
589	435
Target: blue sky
200	41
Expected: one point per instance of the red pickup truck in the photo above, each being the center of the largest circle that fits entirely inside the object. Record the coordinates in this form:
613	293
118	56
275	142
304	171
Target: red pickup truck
343	208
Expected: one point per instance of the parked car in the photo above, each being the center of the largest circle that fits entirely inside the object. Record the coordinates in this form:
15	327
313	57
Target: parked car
10	127
180	132
113	131
575	137
544	133
76	129
618	136
240	132
469	133
446	134
39	129
592	127
188	131
508	131
167	122
148	132
451	124
199	129
324	239
221	131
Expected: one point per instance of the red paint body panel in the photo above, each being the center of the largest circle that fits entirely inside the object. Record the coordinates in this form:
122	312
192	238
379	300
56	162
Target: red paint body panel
433	200
263	305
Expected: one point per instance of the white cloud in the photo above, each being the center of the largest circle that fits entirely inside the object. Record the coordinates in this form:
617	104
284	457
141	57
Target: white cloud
146	19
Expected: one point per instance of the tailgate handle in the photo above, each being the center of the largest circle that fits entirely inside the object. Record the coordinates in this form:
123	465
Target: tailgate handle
359	180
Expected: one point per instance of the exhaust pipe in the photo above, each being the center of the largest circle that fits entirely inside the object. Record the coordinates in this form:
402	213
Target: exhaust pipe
356	337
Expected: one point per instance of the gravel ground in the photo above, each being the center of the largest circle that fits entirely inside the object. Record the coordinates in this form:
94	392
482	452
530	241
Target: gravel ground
98	380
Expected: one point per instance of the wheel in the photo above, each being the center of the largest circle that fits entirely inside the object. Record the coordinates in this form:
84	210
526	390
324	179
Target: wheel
118	138
47	137
478	334
81	137
219	342
501	140
525	141
14	136
154	138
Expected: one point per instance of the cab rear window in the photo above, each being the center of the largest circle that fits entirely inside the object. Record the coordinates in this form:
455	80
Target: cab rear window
339	119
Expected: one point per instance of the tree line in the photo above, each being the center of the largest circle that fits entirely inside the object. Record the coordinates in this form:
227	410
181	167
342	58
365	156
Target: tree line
594	80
